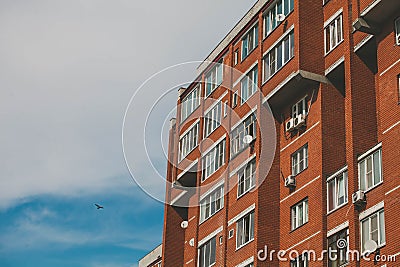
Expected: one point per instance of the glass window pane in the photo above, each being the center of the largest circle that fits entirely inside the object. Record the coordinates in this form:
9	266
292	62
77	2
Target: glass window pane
331	195
365	233
382	228
377	167
374	228
212	250
279	57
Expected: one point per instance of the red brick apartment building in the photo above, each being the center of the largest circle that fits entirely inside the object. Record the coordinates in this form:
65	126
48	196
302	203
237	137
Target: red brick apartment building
329	71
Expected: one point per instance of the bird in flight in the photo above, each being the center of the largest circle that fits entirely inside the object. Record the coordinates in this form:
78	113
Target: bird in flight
98	206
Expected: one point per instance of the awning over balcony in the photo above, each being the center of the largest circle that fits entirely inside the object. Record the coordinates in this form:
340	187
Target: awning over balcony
188	177
366	50
292	87
335	74
374	15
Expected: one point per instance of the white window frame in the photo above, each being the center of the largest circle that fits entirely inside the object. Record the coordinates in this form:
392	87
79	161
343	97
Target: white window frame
235	99
225	108
246	127
299	160
294	214
235	57
213	160
300	261
397	30
189	141
363	170
190	103
248	85
334	181
212	119
214	78
210	259
284	49
287	6
252	36
246	178
333	29
300	108
380	216
212	203
241	233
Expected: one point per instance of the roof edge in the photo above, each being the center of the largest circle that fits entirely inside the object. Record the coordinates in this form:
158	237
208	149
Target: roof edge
231	35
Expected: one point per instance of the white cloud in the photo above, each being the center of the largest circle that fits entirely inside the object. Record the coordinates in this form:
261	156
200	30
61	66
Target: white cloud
67	72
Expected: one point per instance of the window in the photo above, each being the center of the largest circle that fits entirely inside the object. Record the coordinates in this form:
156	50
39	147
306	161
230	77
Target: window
245	230
373	228
214	78
337	191
246	178
337	256
299	108
225	108
333	33
212	203
212	119
207	253
397	30
213	160
299	214
188	142
234	99
190	103
301	261
300	160
278	56
270	17
249	41
235	57
247	127
248	85
370	170
231	232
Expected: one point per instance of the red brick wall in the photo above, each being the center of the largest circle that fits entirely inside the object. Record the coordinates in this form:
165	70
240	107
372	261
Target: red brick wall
339	128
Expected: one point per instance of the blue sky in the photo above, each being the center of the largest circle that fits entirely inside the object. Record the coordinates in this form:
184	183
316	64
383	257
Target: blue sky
67	72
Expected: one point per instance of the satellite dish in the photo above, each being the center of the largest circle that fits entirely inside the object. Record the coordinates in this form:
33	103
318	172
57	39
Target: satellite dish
280	17
247	139
191	242
184	224
370	246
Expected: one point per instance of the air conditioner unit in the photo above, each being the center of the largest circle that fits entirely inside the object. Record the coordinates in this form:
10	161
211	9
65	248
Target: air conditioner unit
290	181
299	121
359	197
289	126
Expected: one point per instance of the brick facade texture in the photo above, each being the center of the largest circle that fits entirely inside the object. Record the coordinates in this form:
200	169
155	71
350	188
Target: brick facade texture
341	124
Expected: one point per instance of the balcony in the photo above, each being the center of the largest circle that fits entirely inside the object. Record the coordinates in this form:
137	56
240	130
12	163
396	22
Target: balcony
335	74
292	87
187	178
366	50
374	15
